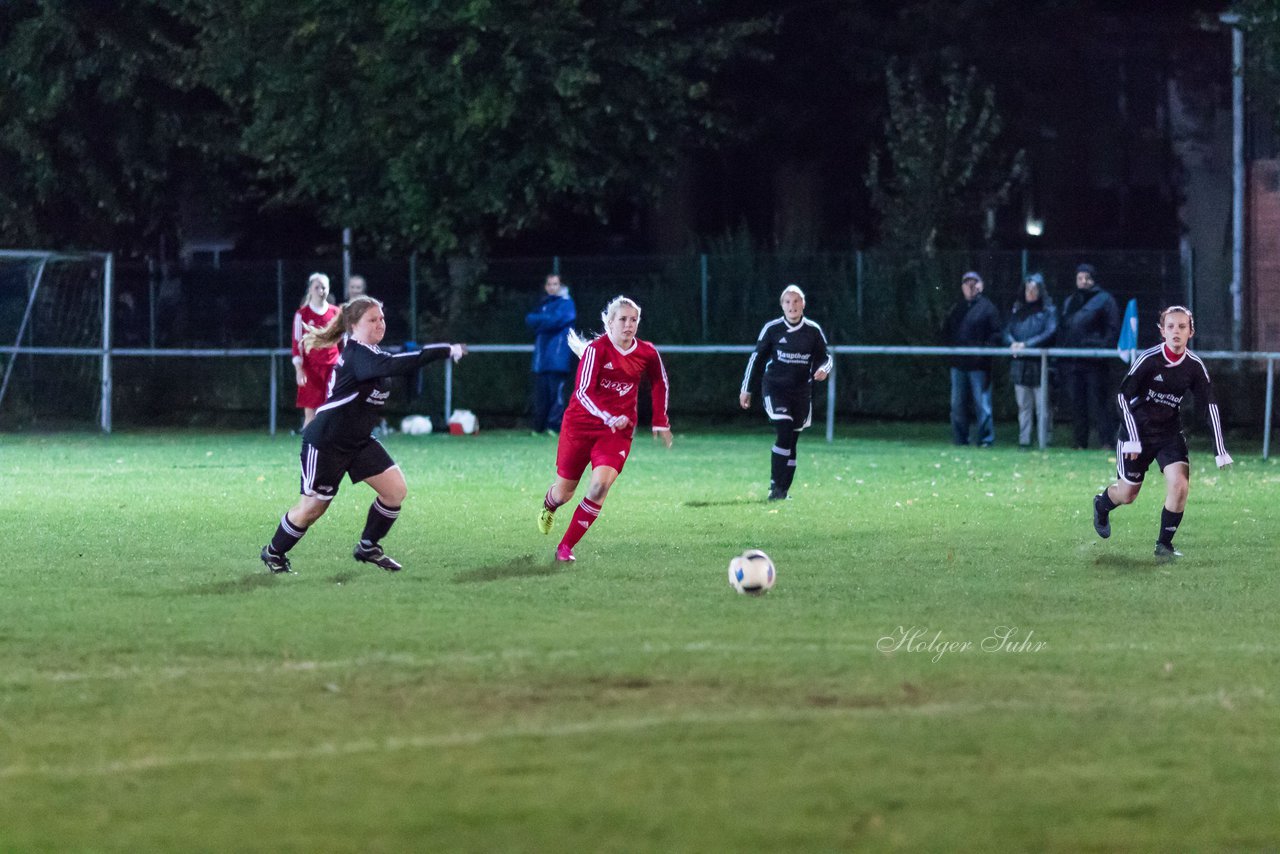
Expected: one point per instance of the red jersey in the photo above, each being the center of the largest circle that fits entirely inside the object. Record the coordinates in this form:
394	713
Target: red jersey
608	384
319	356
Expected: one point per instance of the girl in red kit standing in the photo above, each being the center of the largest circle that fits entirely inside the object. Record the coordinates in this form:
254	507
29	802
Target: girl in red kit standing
314	366
601	417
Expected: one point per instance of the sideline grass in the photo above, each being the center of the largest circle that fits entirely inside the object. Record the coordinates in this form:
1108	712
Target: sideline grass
160	691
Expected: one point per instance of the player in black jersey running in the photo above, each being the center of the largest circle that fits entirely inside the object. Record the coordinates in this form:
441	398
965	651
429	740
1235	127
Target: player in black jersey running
339	440
1151	427
790	354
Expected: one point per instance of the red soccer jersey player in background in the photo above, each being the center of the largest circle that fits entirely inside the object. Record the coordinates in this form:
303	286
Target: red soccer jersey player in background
314	366
601	416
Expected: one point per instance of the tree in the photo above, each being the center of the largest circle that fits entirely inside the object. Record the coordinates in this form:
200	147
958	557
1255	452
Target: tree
943	170
442	126
101	131
1260	20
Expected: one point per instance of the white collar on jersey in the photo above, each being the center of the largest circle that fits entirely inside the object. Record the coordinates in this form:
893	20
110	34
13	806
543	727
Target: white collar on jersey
791	328
627	352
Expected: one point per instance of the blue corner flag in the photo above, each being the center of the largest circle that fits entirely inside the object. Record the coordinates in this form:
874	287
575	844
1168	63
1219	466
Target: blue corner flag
1127	346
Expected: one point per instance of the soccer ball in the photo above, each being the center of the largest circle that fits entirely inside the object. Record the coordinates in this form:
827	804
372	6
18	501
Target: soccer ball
752	572
415	425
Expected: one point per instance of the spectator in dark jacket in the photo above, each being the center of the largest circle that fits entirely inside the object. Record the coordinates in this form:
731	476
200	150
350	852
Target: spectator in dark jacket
1090	319
551	322
1032	324
973	322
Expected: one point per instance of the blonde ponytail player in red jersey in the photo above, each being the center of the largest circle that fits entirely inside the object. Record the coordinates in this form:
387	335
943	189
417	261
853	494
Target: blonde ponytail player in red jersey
600	419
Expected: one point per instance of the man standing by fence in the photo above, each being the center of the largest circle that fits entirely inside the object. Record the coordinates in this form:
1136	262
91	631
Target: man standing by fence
973	322
1090	319
550	322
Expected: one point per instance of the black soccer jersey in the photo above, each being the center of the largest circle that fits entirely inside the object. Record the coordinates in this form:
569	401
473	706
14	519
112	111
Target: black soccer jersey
787	355
361	385
1151	396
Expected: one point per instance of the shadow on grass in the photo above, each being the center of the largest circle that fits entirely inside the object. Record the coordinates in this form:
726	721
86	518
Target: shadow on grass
525	566
1122	563
245	584
342	577
733	502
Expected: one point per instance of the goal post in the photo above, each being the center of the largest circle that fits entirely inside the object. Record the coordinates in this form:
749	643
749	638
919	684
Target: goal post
55	338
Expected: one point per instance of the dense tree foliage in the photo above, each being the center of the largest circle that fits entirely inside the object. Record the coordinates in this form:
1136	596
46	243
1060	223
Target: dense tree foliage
941	173
1260	20
102	131
441	126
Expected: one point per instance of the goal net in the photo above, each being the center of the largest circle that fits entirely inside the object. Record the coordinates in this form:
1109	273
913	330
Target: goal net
53	310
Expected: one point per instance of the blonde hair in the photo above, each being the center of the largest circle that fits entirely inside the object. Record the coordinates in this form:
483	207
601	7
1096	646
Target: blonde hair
577	343
792	289
311	280
343	322
1173	309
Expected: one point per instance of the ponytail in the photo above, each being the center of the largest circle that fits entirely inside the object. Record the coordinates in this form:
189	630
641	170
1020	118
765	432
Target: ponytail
577	343
341	324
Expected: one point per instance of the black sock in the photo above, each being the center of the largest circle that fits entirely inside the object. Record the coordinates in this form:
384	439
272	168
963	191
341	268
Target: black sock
789	470
1107	504
778	469
379	521
1169	522
783	453
287	536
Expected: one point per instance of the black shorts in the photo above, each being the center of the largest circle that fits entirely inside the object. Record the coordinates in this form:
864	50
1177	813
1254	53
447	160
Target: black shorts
785	403
322	471
1164	450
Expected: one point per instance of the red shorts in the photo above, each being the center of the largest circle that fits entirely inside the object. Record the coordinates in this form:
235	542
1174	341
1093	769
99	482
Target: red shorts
601	447
314	393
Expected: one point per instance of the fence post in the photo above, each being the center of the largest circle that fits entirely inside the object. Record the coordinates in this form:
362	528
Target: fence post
151	301
280	303
857	286
702	274
273	394
108	277
1187	256
831	402
555	265
1042	405
448	391
1266	418
413	296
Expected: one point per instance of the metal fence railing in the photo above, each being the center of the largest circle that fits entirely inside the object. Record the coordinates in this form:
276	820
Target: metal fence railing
276	355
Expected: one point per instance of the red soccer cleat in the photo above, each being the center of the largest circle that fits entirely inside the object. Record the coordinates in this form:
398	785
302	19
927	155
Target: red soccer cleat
564	553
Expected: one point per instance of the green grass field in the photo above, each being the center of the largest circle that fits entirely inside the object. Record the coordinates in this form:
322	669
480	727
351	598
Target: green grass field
160	691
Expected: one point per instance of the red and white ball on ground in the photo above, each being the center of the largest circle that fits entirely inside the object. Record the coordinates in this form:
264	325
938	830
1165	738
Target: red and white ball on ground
752	573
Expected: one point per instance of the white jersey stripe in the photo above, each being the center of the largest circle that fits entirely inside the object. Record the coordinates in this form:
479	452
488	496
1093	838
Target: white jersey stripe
334	404
589	356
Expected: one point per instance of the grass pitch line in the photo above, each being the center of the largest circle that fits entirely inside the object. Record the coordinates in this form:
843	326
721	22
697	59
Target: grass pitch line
393	744
523	654
311	666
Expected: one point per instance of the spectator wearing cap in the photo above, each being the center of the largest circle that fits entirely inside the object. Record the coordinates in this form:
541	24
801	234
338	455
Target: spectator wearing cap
972	322
1090	319
1032	323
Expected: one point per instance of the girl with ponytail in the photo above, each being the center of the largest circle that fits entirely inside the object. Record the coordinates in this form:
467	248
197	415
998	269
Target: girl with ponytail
339	440
600	419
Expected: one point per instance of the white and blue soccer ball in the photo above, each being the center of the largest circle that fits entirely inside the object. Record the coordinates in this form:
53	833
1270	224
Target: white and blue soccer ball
752	573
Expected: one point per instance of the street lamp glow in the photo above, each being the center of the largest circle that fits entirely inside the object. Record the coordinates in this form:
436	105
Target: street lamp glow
1035	227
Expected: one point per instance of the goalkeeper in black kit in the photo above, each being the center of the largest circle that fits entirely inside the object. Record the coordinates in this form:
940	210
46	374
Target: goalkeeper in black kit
1151	427
790	354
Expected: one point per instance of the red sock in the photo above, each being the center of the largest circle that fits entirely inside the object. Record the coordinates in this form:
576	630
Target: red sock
586	513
